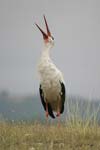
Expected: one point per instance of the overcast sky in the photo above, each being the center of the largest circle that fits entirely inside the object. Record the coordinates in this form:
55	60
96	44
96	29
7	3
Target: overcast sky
75	25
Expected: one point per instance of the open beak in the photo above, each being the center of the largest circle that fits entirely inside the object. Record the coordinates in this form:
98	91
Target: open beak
45	35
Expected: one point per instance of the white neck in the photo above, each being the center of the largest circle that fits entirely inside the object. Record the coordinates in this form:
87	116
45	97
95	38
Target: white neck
46	52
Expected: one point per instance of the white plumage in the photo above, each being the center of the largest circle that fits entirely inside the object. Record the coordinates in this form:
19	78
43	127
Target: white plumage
49	77
52	89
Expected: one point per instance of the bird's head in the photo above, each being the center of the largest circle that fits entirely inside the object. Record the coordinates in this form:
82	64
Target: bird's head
47	37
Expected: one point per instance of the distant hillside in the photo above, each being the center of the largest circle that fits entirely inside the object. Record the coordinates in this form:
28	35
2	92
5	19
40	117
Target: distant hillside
20	107
30	107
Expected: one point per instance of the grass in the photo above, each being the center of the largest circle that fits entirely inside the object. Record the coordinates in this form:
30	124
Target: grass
36	136
78	132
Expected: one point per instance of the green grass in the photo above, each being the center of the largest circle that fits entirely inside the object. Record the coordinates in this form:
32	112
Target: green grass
36	136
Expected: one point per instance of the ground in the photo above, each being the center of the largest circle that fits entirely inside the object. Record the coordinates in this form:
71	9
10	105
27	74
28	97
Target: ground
37	136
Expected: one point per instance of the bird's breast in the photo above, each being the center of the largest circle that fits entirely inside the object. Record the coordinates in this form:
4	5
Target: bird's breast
47	70
50	78
51	88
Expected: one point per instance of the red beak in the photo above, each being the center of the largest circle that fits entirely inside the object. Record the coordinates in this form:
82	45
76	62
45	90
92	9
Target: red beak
45	36
48	31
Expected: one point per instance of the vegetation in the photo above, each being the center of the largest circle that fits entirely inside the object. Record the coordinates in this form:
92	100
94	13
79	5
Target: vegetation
36	136
79	128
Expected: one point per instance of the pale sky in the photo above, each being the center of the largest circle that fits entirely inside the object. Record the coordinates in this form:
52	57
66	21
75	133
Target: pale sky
75	25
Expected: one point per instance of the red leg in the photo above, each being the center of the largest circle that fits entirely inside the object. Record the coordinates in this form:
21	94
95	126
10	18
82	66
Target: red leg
46	113
47	110
58	111
58	114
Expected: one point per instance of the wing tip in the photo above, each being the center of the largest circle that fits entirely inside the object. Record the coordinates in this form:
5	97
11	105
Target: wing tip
52	116
50	111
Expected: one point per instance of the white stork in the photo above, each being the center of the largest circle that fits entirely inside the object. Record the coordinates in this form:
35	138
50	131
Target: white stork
52	88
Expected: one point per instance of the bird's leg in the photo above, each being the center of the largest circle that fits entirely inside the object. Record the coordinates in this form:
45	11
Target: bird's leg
46	113
58	108
58	113
47	110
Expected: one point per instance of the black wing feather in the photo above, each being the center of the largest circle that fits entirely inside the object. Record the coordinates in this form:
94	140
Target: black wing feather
44	104
42	97
50	111
63	93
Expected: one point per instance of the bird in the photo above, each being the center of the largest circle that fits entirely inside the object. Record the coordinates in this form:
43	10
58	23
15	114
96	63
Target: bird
52	85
